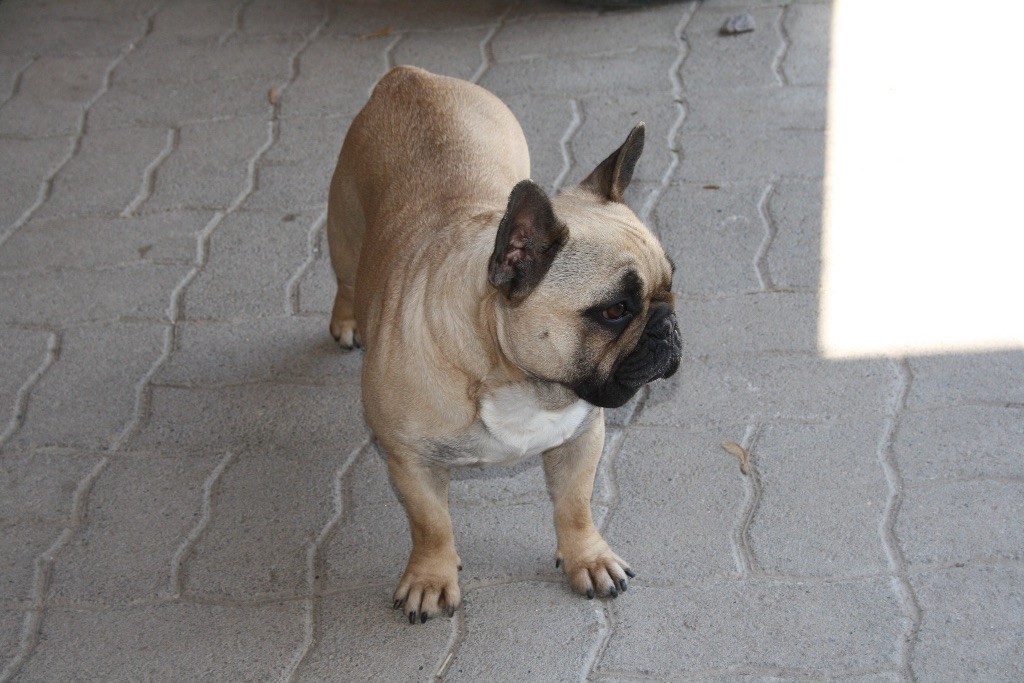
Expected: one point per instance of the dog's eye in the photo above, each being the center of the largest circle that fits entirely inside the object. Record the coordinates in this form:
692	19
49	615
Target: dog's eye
615	313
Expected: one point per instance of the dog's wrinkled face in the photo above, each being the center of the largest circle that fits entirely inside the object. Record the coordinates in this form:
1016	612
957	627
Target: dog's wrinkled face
588	289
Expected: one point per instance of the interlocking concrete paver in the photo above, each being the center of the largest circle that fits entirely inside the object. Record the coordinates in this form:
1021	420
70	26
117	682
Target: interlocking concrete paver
167	642
11	625
795	386
742	113
164	86
721	627
39	486
964	442
140	511
98	361
681	497
208	164
530	36
252	417
71	28
103	176
820	506
984	530
188	489
364	17
261	350
99	241
794	208
24	166
52	95
149	104
765	154
24	352
972	623
20	545
354	640
747	60
273	245
620	72
995	378
192	22
807	60
509	614
726	221
293	20
77	296
270	503
290	175
11	70
761	323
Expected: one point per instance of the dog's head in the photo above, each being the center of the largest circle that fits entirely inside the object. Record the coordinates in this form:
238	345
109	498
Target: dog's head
586	289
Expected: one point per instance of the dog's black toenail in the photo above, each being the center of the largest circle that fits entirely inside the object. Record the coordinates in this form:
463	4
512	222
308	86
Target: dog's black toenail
558	562
630	573
623	585
423	617
614	593
412	617
590	594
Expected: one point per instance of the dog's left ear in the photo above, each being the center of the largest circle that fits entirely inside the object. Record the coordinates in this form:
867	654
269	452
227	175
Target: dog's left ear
611	177
529	237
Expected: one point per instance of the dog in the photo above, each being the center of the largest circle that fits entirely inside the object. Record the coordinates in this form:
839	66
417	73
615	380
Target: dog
497	322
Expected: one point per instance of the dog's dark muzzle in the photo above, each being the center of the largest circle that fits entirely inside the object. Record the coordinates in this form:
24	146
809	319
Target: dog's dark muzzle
655	356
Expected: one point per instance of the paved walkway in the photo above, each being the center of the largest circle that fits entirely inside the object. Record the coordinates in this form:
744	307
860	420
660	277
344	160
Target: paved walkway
187	491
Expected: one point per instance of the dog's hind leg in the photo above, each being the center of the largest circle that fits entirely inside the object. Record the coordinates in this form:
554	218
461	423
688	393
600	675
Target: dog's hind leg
345	229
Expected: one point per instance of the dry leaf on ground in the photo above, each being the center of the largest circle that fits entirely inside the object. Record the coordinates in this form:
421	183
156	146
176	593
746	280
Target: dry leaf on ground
737	450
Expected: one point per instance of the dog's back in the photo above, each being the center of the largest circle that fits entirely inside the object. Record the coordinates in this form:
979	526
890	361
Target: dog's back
469	151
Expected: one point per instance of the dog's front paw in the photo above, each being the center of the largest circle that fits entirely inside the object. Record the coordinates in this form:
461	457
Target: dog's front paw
593	569
428	588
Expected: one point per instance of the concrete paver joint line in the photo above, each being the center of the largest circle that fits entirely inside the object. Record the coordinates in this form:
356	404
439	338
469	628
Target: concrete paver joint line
181	554
575	121
149	174
890	542
16	81
761	262
486	55
21	400
314	248
746	562
779	62
678	97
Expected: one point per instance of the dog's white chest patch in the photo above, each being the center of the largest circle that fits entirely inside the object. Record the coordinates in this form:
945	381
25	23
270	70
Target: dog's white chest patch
520	427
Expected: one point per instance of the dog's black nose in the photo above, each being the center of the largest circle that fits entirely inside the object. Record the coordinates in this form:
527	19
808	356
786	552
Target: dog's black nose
661	324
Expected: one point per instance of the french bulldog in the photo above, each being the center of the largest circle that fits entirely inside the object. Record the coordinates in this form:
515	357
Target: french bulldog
497	322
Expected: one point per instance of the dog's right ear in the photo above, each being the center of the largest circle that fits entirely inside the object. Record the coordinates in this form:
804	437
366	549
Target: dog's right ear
611	177
529	237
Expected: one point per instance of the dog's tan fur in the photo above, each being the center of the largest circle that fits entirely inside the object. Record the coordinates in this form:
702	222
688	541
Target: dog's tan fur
420	188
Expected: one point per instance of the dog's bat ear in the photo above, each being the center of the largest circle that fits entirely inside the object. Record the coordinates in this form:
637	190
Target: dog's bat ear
611	177
529	237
